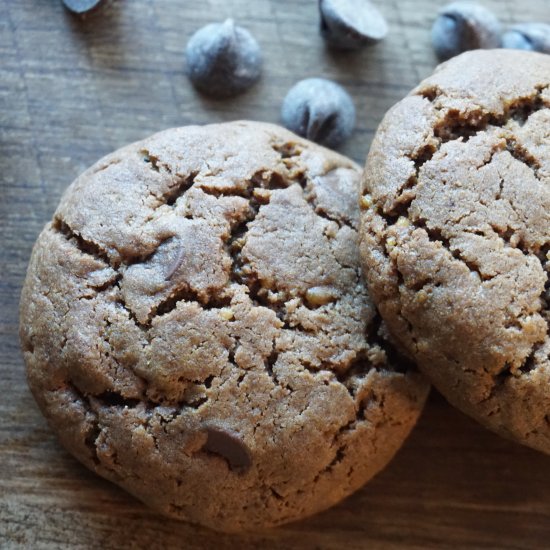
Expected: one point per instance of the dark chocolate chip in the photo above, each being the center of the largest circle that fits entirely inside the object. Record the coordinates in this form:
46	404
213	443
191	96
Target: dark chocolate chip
319	110
178	260
351	24
528	36
229	447
462	26
223	59
81	6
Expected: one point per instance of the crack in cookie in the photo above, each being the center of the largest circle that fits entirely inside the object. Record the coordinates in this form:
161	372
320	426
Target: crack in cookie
455	126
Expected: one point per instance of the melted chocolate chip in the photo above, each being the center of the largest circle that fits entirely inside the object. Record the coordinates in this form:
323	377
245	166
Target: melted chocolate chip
229	447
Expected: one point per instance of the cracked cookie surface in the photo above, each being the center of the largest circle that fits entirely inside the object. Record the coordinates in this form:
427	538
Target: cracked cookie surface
455	233
196	329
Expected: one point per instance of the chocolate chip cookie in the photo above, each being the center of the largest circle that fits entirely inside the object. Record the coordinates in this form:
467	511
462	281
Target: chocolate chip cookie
455	235
196	329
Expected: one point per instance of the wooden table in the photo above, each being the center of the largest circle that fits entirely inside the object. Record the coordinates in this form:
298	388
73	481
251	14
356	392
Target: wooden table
74	89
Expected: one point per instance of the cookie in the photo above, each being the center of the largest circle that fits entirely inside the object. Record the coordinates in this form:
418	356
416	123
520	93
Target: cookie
455	235
193	323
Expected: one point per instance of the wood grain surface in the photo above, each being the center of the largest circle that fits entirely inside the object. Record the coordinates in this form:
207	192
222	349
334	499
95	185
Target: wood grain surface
72	90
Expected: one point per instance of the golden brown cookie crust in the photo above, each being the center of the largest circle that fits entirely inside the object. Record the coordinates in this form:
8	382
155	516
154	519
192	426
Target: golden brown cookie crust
193	323
455	235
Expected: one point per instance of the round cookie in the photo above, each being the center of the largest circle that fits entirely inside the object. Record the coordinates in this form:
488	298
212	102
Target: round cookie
193	323
455	234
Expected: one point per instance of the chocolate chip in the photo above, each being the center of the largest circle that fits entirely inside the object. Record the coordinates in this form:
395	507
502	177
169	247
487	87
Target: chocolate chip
229	447
319	110
81	6
351	24
528	36
462	26
175	265
223	59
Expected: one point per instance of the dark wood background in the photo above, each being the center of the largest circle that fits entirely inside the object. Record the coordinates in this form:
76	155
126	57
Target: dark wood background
71	90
